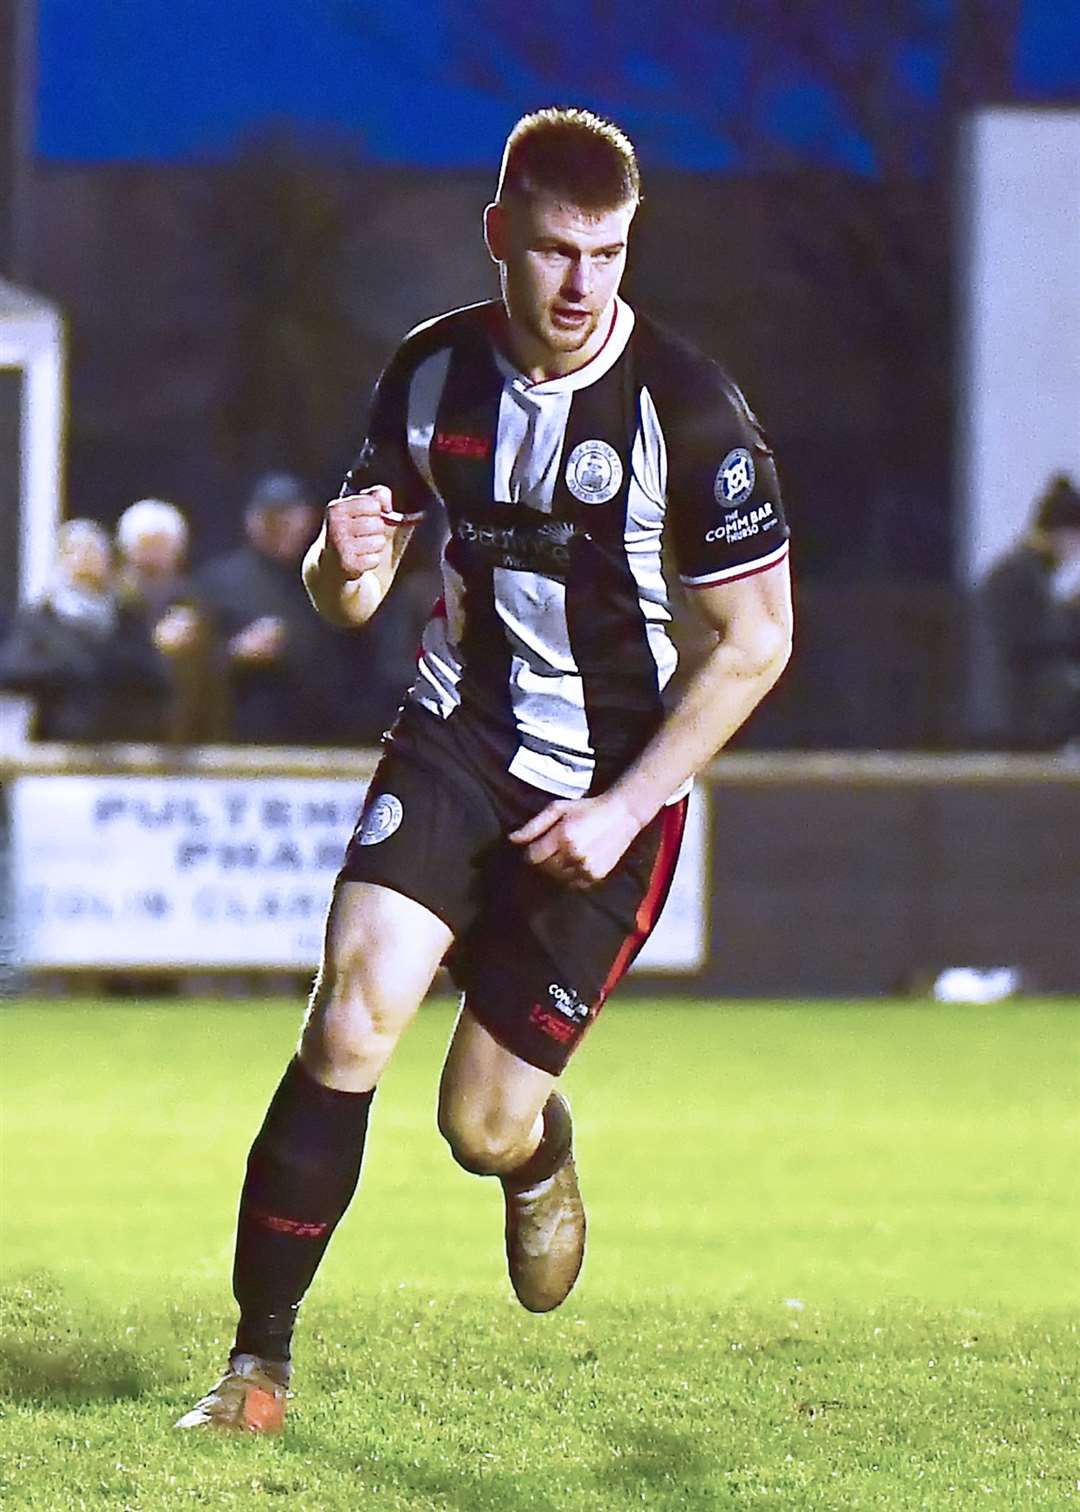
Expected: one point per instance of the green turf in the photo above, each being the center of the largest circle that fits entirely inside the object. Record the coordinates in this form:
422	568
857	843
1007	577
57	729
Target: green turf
833	1263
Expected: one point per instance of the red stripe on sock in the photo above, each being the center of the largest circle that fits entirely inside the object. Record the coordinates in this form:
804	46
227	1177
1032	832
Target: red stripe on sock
298	1227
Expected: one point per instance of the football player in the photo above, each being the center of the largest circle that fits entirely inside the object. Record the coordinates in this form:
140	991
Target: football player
525	820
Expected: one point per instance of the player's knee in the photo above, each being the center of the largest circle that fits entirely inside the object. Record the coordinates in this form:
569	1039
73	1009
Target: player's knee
348	1032
477	1155
481	1146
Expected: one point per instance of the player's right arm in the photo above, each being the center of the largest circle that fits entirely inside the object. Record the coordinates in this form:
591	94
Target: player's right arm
351	563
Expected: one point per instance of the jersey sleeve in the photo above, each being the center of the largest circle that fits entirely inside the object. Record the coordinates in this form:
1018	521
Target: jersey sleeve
723	496
384	456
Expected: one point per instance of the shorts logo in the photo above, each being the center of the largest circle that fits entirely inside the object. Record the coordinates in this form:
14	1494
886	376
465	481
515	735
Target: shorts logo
556	1028
381	820
568	1003
563	1018
594	472
735	478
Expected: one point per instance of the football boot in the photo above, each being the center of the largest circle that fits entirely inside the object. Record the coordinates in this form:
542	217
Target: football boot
249	1398
545	1235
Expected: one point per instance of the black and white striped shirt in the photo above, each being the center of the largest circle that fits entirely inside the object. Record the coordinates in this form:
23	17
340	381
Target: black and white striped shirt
552	634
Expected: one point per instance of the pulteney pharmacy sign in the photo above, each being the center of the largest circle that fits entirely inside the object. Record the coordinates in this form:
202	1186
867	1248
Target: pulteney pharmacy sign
233	872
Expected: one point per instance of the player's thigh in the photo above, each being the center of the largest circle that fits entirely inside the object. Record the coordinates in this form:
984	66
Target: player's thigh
538	968
409	884
490	1100
380	953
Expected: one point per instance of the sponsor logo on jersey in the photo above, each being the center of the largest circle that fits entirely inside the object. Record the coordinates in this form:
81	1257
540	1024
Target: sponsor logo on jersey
594	472
381	820
735	477
457	444
740	527
544	549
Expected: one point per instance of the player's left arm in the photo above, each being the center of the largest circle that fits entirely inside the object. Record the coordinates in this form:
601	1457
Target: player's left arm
751	623
580	841
731	541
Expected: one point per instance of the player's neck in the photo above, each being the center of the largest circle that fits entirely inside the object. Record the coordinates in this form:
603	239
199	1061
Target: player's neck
538	362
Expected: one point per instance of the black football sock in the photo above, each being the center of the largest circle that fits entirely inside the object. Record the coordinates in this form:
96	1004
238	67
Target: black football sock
551	1153
301	1175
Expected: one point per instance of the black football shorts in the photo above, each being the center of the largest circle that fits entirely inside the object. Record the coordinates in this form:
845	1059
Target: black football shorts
536	960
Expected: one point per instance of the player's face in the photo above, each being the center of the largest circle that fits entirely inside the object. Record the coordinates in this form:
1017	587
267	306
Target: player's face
560	268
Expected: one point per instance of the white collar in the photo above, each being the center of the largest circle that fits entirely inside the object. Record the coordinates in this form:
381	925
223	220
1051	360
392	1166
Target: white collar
589	372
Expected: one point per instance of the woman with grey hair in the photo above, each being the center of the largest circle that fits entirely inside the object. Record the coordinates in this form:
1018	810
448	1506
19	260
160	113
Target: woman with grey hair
83	656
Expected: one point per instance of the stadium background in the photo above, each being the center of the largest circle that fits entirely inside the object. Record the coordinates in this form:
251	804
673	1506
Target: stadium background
206	260
222	252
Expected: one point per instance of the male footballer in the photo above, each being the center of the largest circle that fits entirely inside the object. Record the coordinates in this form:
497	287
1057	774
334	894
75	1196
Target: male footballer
524	822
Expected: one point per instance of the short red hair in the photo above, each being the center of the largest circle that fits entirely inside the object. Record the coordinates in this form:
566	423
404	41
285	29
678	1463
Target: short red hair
574	156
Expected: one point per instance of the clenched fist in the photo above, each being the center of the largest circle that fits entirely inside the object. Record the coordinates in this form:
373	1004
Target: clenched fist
358	527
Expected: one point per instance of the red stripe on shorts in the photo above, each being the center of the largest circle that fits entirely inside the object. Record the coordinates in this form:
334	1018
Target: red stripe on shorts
671	833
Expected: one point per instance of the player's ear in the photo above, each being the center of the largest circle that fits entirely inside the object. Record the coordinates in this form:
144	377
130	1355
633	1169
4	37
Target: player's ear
495	232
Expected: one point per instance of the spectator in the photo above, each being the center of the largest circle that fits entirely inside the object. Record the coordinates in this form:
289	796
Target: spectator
152	542
293	679
85	658
152	539
1026	632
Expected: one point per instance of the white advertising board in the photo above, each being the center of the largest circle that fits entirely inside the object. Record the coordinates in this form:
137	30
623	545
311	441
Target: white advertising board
221	872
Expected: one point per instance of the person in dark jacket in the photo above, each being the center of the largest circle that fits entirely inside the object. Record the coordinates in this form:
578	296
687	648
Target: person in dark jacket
152	543
1026	632
293	679
86	659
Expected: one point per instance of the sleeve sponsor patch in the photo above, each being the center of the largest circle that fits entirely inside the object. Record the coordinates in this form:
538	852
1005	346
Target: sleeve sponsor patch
735	478
740	526
727	519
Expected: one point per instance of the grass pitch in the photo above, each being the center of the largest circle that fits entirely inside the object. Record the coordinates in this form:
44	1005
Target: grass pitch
832	1263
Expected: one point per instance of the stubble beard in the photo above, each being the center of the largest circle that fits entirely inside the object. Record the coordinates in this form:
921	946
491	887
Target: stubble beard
544	329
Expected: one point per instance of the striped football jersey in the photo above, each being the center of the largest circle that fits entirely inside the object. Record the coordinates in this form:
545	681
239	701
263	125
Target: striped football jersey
552	635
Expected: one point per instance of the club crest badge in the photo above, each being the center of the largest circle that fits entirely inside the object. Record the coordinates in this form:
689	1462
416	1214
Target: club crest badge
594	472
735	479
381	820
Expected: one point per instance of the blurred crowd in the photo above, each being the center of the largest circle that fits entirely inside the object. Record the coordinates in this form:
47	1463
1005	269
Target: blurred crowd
1024	634
131	643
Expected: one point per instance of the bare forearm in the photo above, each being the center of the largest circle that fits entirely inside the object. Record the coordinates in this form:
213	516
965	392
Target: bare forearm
338	599
344	600
722	693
